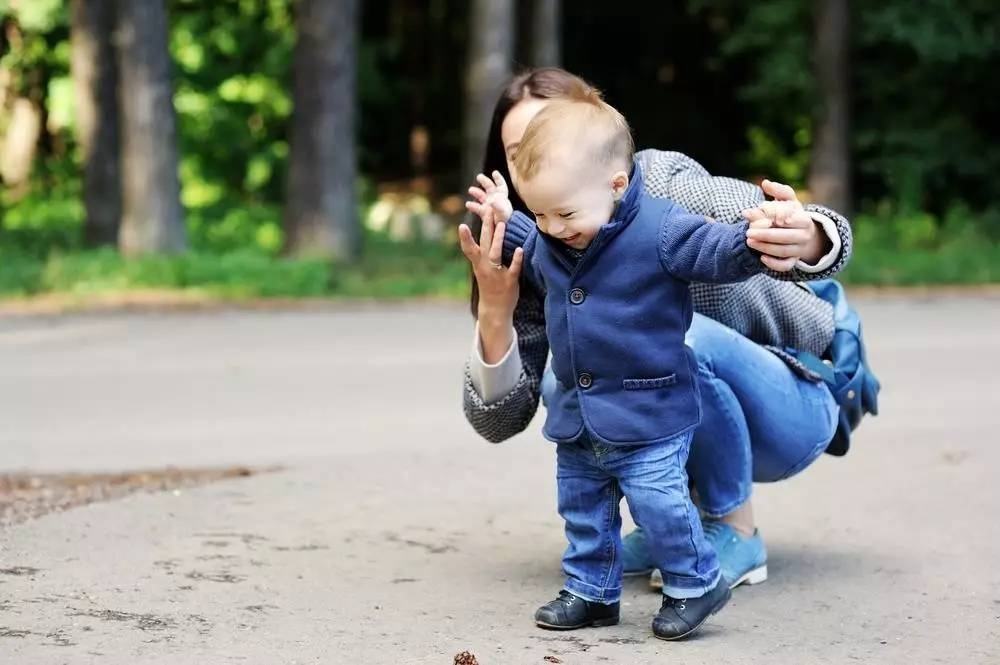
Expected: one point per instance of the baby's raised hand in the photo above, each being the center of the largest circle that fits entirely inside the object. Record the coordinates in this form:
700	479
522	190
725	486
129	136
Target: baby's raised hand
491	194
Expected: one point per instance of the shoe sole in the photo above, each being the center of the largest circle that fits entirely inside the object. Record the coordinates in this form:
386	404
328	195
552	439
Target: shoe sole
755	576
596	623
715	610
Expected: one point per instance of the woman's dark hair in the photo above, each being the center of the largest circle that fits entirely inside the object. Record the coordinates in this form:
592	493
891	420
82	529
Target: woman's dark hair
541	83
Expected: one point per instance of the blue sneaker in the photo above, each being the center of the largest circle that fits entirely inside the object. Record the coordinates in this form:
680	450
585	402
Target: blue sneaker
635	555
742	560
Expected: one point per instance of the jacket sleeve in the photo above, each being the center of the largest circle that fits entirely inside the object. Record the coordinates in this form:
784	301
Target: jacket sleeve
521	232
675	176
512	413
694	248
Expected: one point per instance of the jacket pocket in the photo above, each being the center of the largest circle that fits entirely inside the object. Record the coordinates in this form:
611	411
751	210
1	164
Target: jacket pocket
649	384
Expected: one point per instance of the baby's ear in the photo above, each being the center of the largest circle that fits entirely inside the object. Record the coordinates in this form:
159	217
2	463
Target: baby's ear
619	183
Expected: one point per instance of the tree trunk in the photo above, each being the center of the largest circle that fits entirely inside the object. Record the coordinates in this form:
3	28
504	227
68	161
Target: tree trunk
546	33
491	38
829	177
321	215
95	84
24	119
20	143
152	219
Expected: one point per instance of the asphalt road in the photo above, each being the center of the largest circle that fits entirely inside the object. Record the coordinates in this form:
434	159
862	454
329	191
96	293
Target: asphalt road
394	535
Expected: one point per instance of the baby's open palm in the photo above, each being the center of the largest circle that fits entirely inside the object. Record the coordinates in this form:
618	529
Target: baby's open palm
491	194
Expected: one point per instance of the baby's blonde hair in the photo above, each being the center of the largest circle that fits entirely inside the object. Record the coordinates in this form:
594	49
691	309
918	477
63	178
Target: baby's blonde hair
585	123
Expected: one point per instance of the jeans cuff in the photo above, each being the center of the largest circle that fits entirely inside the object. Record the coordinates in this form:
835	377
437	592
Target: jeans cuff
594	594
717	512
689	587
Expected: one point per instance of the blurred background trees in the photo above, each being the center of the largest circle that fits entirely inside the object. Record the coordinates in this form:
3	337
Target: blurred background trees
238	131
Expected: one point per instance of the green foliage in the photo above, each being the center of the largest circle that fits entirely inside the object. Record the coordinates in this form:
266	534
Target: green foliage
233	106
727	81
927	102
924	95
387	270
35	15
772	40
394	270
906	248
49	216
36	45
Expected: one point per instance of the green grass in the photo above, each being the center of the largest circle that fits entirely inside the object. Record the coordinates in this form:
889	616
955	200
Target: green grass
234	255
383	272
949	265
39	257
917	249
395	271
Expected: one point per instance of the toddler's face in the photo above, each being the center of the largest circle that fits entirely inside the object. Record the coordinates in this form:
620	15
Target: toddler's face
571	202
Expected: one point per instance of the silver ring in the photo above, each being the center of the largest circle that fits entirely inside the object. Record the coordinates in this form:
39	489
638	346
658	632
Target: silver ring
497	266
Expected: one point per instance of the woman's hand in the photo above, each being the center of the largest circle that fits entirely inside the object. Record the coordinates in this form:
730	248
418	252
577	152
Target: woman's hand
498	285
789	234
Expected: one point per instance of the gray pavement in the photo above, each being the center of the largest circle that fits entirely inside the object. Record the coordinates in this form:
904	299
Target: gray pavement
396	536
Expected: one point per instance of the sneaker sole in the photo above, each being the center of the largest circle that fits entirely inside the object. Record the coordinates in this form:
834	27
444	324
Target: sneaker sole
755	576
715	610
596	623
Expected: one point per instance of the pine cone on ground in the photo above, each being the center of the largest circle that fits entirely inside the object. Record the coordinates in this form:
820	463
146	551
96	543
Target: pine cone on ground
465	658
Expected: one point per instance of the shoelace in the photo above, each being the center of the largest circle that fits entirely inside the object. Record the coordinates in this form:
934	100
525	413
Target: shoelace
676	603
566	598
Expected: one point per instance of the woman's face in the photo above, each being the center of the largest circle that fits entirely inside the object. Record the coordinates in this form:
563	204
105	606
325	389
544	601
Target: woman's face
513	128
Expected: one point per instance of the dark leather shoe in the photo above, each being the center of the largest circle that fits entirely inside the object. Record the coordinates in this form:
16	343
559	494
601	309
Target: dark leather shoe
568	612
679	617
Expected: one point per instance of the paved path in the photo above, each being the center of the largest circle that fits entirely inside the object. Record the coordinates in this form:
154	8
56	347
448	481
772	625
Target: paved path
396	536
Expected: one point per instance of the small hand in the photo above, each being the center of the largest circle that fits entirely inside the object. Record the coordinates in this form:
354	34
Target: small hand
493	194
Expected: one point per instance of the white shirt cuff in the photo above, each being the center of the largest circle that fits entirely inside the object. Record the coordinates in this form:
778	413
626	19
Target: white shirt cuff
833	234
493	382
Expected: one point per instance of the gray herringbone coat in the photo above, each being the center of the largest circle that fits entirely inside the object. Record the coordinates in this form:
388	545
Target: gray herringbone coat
771	309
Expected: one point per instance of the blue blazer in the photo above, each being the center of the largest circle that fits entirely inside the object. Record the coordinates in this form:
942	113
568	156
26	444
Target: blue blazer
616	318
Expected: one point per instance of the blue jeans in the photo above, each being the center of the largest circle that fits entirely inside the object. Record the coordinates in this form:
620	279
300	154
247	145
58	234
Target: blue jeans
591	481
761	422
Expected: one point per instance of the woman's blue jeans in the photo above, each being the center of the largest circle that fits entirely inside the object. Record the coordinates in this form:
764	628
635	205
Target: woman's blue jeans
761	422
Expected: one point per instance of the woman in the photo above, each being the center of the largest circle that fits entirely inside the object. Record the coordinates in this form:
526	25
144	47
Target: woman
765	417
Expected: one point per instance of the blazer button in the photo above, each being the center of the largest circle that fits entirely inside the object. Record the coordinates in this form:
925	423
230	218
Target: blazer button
585	380
577	296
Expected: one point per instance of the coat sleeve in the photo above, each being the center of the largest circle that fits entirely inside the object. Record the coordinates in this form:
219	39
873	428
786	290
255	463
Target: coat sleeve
512	413
675	176
694	248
